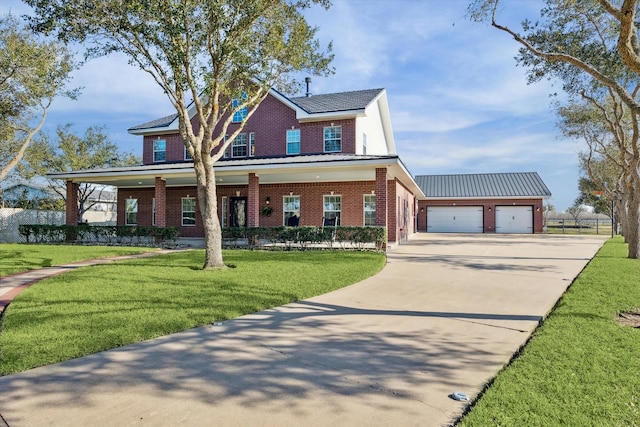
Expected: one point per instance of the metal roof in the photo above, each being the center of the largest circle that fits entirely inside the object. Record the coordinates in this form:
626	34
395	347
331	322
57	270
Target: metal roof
517	184
334	102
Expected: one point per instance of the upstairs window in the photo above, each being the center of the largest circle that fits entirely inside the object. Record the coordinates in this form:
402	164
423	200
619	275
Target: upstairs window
333	139
364	143
159	150
293	141
187	155
239	146
241	114
252	144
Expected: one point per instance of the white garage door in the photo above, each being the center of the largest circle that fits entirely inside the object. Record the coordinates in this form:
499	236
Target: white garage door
514	219
455	219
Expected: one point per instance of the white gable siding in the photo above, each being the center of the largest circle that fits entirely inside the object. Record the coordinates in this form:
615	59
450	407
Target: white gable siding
371	124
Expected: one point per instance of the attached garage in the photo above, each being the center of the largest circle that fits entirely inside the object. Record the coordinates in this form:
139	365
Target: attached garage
455	219
514	219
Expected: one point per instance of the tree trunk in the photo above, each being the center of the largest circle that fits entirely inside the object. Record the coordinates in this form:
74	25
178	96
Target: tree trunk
632	235
208	203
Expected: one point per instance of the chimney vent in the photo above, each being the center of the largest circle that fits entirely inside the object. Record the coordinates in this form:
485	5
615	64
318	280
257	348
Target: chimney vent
307	80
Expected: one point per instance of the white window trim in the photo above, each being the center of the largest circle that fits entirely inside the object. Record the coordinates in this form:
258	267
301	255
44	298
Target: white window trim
159	151
324	139
183	211
364	211
324	212
223	212
245	145
299	141
126	211
153	211
252	144
284	212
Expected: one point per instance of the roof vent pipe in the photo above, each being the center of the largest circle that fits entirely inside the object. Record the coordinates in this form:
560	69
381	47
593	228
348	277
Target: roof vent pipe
307	80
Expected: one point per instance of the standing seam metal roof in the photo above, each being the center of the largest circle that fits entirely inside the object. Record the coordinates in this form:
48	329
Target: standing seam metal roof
517	184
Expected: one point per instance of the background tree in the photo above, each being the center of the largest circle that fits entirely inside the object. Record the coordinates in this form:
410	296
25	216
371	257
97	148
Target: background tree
203	54
71	151
576	211
591	47
32	73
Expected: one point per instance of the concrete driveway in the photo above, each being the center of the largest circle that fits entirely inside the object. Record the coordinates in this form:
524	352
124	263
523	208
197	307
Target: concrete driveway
446	313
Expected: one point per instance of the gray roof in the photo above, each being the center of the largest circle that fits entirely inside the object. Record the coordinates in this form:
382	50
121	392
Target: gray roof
161	122
334	102
517	184
314	104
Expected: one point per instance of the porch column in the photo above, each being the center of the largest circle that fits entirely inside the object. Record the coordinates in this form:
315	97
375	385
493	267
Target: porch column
161	202
72	203
381	198
253	201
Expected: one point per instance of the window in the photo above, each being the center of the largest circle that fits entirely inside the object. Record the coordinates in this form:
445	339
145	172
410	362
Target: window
364	143
223	212
227	151
188	211
159	150
369	210
291	208
187	155
153	211
332	139
239	146
252	144
293	141
241	114
332	208
131	212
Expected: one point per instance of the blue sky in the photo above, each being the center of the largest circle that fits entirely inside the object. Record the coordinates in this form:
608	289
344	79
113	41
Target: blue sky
459	103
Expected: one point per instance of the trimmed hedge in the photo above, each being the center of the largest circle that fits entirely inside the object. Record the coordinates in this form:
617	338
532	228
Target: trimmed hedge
306	237
278	237
107	234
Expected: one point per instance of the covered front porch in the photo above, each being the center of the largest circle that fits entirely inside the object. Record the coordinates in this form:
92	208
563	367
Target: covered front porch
349	190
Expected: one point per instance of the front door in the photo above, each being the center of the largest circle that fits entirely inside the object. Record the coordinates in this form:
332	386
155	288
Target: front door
238	212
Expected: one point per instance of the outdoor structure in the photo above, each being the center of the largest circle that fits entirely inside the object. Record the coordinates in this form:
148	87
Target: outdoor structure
312	160
482	203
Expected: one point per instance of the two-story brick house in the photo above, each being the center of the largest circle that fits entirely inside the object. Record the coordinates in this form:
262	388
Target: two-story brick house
317	158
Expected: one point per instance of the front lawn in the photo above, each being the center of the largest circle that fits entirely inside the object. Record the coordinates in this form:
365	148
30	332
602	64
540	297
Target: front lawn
101	307
581	368
16	257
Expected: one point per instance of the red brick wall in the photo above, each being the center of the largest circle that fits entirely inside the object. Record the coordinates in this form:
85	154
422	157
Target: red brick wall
269	125
489	216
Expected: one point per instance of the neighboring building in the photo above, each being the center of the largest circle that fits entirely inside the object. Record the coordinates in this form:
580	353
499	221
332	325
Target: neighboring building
482	203
320	159
29	196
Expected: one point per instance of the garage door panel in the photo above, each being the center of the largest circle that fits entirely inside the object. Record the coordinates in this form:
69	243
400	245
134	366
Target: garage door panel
455	219
514	219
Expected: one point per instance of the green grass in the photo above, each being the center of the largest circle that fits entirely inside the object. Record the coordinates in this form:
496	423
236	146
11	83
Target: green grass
581	368
16	257
102	307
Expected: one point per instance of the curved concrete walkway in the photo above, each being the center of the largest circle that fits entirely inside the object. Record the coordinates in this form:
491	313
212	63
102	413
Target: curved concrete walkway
445	315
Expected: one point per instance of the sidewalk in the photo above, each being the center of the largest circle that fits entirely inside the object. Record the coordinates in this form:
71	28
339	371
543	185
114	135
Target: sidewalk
444	316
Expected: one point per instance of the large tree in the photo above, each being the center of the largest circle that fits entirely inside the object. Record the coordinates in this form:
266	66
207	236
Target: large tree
204	55
32	73
591	47
70	151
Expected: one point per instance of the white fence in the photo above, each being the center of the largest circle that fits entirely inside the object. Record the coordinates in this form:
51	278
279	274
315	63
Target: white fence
11	218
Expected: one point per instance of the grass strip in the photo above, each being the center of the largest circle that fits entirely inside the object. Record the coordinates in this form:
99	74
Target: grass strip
107	306
18	257
581	367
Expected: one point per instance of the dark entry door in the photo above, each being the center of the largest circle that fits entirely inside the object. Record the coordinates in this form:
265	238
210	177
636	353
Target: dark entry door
238	212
